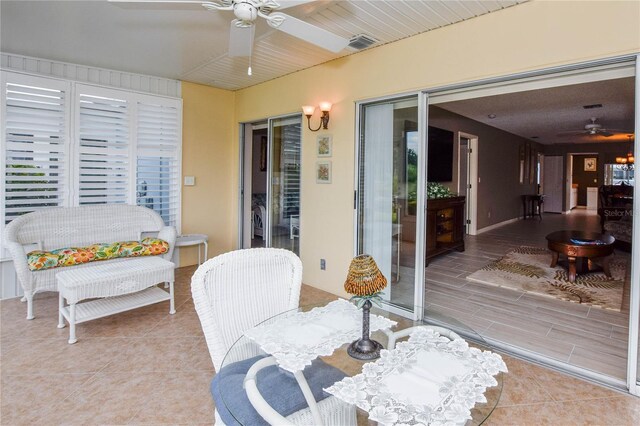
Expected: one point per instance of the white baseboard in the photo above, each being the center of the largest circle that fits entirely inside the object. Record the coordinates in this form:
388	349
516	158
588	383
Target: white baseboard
497	225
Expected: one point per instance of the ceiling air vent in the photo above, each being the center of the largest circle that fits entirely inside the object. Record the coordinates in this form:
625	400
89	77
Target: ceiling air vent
361	41
592	106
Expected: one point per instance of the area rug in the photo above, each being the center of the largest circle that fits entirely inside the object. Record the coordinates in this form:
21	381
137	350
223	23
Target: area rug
527	269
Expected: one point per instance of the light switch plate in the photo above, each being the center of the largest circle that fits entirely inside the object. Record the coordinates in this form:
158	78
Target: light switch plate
189	180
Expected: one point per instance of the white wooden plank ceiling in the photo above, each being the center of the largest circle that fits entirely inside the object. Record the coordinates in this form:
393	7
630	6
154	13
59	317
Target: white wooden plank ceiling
192	44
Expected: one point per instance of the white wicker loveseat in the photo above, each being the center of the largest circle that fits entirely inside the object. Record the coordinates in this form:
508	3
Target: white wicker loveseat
59	227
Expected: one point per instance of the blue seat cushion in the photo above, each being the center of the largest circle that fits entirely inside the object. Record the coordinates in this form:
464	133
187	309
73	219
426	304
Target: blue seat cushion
278	387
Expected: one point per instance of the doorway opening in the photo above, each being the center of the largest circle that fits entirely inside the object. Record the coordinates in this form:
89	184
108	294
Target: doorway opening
583	181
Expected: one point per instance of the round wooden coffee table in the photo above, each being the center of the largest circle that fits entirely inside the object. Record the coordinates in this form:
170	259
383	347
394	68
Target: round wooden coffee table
581	248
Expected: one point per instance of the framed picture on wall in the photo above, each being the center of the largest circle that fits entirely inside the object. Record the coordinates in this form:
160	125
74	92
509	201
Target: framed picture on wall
590	164
323	172
324	145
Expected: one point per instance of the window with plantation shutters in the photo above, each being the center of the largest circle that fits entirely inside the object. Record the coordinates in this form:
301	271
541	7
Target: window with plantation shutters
35	144
158	159
103	150
67	144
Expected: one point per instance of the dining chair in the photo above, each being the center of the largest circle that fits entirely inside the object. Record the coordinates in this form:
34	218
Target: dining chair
232	293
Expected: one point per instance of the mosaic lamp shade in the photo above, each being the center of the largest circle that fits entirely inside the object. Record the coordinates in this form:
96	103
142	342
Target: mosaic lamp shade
364	278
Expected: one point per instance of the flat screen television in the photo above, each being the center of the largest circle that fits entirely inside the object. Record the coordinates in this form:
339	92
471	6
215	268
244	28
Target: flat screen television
440	167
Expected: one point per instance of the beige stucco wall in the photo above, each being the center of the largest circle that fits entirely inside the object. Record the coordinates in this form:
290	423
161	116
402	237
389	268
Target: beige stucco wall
534	35
210	154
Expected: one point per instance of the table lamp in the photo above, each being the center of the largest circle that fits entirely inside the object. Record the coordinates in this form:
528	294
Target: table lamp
364	282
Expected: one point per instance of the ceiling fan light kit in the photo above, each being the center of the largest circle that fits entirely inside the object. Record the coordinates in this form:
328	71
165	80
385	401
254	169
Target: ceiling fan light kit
593	128
308	111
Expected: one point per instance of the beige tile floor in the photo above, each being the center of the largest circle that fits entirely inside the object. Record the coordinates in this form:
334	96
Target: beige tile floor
147	367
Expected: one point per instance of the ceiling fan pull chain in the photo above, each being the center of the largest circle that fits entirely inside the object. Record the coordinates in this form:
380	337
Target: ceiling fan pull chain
249	72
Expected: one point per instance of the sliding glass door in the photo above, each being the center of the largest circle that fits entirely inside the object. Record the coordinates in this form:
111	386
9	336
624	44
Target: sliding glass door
284	183
270	187
388	188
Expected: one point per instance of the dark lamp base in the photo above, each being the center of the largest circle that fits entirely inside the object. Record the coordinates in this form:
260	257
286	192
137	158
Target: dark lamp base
364	349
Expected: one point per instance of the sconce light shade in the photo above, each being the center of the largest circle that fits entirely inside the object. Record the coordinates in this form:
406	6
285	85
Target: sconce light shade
308	111
325	106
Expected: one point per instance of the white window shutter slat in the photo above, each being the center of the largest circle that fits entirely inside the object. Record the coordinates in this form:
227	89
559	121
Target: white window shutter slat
103	151
34	173
158	157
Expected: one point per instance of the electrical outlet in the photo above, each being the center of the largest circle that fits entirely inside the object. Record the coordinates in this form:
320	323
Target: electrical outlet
323	264
489	213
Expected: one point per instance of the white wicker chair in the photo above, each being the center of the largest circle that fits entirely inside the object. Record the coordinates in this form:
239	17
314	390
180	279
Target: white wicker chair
235	291
58	227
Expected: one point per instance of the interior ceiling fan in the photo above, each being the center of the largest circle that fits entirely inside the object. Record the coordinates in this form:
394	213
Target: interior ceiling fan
247	12
593	128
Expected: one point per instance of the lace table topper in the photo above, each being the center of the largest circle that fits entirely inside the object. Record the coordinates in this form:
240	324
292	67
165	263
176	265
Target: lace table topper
427	380
298	338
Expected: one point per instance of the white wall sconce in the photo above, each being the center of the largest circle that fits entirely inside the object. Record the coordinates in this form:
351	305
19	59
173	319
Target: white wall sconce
325	107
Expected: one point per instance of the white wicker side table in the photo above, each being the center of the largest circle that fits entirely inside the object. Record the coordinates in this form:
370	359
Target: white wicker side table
117	287
192	240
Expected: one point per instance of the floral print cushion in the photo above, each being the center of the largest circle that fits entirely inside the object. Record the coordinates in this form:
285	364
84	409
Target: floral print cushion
39	260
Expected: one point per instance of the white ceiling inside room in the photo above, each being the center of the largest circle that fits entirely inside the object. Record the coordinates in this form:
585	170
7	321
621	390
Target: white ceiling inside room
542	114
191	43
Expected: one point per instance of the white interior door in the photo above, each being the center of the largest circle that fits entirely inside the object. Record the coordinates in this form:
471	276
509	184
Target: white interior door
468	178
553	188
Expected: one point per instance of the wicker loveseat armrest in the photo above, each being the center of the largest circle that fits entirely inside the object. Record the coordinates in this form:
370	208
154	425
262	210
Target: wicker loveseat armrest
168	234
20	264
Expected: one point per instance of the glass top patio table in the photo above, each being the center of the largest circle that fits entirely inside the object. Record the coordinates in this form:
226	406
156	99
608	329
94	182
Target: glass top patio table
247	348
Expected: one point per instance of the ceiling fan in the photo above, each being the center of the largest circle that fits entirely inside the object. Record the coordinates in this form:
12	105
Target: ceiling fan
246	13
593	128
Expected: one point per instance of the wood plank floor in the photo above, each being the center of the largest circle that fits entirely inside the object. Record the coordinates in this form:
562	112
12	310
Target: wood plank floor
579	335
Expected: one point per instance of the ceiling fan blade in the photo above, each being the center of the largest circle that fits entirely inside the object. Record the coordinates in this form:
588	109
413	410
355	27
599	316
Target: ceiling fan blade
571	133
307	32
159	4
240	39
605	133
284	4
617	131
